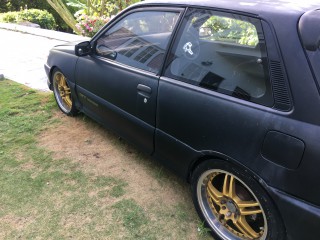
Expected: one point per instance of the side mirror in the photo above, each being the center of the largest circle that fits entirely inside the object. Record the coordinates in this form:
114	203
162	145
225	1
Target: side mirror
104	51
83	49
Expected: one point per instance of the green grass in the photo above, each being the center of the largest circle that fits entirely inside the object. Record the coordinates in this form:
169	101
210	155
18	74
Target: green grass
132	217
47	198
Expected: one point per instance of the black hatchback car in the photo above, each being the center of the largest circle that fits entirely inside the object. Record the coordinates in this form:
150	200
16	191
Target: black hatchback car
225	93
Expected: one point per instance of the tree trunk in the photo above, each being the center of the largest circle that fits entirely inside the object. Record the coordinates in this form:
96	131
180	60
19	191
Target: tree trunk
120	5
103	7
65	14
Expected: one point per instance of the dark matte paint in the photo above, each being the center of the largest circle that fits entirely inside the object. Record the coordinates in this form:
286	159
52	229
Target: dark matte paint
183	124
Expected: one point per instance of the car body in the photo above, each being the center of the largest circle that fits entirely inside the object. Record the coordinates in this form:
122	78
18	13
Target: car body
224	93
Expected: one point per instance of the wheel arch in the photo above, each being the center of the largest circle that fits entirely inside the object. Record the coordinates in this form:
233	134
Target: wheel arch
52	69
55	67
216	156
72	85
73	108
51	75
212	155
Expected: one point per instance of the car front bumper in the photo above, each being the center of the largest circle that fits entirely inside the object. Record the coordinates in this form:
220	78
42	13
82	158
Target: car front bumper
47	69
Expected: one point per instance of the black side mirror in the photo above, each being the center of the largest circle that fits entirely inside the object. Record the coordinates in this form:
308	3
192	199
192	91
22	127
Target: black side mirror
83	49
106	52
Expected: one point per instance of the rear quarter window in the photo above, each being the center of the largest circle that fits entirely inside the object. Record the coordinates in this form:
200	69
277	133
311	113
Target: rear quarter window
222	52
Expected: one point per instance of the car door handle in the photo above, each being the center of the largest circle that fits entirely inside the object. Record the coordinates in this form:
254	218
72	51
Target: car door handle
144	88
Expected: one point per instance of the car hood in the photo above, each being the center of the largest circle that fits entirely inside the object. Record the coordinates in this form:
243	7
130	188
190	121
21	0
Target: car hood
66	47
70	43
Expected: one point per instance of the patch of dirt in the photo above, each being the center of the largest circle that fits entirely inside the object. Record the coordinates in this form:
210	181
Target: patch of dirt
102	153
14	222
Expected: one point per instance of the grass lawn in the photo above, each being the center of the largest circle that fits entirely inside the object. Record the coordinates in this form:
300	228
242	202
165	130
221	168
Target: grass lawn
54	195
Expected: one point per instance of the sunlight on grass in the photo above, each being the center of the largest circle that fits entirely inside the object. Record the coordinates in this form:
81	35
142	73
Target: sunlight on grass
43	197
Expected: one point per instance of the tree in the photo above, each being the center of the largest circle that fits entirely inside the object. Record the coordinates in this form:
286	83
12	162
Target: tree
64	13
17	5
88	7
100	7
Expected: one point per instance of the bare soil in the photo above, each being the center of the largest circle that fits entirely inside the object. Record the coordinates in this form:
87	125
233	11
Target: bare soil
101	152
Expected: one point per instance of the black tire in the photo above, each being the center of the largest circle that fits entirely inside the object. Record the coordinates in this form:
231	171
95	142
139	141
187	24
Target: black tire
62	93
233	204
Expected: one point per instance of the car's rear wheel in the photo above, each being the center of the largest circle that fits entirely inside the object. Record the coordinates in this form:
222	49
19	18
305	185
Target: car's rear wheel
233	204
62	93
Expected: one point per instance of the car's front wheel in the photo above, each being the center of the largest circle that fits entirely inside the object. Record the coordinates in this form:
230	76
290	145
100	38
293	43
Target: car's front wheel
233	204
62	93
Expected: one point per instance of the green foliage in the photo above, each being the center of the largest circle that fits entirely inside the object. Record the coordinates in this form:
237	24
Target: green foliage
3	6
122	4
9	17
92	7
118	190
41	17
17	5
232	30
92	15
99	7
216	23
202	229
60	198
131	214
77	4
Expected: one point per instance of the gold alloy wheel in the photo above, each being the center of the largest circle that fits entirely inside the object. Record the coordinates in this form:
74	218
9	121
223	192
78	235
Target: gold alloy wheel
62	92
230	206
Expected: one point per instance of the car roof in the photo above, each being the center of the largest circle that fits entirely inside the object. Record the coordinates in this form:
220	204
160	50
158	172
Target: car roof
263	8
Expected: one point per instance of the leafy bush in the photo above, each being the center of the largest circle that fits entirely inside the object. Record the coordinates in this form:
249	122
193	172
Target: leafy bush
9	17
232	30
90	25
41	17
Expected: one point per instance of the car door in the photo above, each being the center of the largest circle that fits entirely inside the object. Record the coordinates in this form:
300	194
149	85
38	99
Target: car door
118	83
216	89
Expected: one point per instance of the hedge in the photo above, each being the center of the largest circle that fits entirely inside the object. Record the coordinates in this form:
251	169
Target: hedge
41	17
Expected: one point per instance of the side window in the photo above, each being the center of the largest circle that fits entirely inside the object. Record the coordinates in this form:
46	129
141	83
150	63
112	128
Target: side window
224	53
139	39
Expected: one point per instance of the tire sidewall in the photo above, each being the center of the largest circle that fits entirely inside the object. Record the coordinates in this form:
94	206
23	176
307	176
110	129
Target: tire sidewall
274	222
73	111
